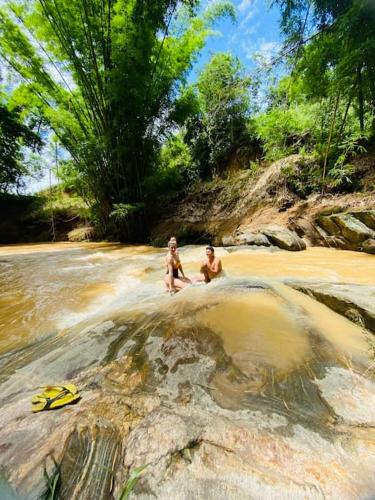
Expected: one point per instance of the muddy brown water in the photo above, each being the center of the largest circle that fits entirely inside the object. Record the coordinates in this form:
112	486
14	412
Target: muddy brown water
45	288
273	344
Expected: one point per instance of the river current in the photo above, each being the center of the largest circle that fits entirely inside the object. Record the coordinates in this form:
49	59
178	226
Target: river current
47	288
246	363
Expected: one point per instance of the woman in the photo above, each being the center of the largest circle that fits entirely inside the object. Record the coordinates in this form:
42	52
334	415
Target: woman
172	279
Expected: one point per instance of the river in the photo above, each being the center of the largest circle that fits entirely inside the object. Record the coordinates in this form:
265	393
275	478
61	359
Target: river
256	343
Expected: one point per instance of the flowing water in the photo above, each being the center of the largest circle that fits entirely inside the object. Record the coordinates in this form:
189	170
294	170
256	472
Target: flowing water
46	288
271	344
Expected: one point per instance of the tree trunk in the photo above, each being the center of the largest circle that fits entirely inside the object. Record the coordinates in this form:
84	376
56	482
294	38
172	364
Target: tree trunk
360	100
329	141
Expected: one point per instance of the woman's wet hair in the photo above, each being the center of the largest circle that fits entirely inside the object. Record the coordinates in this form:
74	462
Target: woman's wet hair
172	244
209	247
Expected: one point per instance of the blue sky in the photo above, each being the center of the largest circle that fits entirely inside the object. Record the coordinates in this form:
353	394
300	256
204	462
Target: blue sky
255	31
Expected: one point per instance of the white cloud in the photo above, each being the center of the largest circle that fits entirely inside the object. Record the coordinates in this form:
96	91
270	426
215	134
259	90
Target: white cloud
245	4
252	12
268	49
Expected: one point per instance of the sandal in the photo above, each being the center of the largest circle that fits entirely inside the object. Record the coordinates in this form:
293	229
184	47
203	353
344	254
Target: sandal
54	396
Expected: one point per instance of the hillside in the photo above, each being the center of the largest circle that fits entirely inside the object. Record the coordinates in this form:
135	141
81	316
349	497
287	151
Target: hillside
238	209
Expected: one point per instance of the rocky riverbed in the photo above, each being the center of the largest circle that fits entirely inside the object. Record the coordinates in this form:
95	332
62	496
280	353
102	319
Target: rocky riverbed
245	388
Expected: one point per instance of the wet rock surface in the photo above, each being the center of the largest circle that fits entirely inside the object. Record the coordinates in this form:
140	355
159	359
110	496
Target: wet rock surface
271	235
284	238
90	456
354	231
368	246
356	302
217	411
248	238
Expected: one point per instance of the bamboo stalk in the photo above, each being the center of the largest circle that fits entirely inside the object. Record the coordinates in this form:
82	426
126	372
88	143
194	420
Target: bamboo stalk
329	141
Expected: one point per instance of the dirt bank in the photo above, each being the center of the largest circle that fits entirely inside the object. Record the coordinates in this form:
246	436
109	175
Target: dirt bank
238	209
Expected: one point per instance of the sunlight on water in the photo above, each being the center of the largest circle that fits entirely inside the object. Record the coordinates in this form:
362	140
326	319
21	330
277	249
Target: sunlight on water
257	329
46	288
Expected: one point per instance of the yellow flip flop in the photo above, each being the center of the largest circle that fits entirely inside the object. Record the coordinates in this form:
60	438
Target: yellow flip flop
54	396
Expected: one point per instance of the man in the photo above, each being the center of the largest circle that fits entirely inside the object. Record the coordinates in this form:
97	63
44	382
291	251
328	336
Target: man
211	266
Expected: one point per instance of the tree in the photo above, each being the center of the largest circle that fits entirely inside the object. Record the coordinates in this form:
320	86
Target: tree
106	75
14	136
219	130
333	43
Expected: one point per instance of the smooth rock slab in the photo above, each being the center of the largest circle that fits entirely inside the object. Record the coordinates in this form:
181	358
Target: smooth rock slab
351	396
195	454
89	462
356	302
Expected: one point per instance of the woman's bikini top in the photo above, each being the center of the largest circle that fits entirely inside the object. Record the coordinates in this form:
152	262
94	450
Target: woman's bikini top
175	269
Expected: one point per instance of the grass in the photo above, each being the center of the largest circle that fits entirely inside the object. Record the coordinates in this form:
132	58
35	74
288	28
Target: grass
132	481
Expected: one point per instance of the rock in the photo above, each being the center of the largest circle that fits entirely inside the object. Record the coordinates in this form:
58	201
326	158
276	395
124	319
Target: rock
326	222
344	391
228	241
283	238
356	302
351	228
366	217
210	416
347	230
89	462
248	238
368	246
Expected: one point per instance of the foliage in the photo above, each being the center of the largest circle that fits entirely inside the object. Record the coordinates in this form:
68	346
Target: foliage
63	203
122	211
105	76
174	170
53	483
132	481
333	45
14	137
219	129
284	131
304	178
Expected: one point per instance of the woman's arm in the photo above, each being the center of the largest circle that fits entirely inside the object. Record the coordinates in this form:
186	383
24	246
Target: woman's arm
170	275
182	271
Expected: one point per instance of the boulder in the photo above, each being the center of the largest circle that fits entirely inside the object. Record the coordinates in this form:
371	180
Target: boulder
368	246
367	217
283	238
347	230
351	228
356	302
326	223
248	238
228	240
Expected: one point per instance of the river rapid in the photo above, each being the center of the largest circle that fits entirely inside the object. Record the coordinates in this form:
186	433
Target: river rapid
247	364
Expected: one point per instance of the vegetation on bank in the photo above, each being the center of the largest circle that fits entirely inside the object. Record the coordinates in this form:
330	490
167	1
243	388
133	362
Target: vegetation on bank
109	79
48	215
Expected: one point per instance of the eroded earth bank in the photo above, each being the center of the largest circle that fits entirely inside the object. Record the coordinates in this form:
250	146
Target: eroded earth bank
249	387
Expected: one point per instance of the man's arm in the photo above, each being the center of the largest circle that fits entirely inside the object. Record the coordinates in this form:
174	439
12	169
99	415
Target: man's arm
216	266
